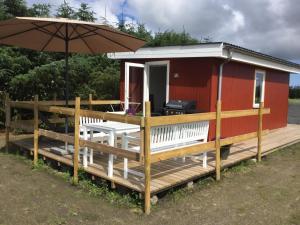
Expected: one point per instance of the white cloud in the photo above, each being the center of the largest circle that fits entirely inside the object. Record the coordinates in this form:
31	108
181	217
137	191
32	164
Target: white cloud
269	26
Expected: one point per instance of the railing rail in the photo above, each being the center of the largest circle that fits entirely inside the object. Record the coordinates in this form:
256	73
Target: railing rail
145	123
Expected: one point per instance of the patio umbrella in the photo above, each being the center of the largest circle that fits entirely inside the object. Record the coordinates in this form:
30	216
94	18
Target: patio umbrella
65	35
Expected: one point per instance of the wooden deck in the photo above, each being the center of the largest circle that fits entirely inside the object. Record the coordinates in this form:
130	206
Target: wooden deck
173	172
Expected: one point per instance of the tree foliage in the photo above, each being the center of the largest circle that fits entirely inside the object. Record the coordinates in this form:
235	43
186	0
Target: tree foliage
25	73
39	10
85	13
294	92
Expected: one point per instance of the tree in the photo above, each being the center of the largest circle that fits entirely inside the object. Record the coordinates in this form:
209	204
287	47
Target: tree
172	38
85	13
65	11
39	10
15	7
3	11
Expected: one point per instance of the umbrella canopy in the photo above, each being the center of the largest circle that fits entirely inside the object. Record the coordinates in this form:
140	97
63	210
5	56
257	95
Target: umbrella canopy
51	34
65	35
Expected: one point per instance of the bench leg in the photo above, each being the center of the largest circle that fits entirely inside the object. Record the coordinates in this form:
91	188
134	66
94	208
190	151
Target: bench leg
85	150
204	159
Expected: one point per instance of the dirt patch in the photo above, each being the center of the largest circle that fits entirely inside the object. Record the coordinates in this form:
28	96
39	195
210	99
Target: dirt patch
265	193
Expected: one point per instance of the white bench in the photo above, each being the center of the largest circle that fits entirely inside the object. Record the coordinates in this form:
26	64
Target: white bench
170	137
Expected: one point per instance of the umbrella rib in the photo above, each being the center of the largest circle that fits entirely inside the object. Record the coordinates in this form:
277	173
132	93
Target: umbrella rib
24	31
52	36
74	27
84	41
85	34
45	31
110	39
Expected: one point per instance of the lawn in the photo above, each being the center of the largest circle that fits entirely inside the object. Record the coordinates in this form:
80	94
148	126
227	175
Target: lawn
294	101
250	193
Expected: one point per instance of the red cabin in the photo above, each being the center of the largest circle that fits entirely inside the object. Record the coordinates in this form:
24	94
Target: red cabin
239	77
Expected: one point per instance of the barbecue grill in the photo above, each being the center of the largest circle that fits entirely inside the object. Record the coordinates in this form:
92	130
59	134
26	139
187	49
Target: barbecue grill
177	107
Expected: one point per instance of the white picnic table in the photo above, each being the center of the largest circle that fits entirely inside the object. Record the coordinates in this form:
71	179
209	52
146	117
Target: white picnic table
112	129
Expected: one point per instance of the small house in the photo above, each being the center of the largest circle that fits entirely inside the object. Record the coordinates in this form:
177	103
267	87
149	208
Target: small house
240	78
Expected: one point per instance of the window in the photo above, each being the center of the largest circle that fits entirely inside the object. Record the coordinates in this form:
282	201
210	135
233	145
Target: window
259	88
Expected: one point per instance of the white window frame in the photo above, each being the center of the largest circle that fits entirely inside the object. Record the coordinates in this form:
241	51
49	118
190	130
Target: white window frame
262	99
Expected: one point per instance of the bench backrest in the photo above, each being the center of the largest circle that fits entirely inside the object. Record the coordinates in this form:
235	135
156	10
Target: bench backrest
179	134
88	120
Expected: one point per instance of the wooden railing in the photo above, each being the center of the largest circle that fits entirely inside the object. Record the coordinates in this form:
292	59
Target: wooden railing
145	156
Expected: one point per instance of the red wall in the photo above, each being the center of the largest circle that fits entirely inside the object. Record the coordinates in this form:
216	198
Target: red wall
237	94
193	82
198	80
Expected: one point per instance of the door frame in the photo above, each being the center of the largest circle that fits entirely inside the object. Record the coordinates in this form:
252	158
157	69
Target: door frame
126	82
147	76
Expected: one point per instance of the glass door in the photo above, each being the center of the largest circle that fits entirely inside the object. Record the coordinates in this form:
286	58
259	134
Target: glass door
134	87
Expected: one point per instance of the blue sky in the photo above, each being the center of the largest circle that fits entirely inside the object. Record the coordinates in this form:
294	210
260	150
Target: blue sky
268	26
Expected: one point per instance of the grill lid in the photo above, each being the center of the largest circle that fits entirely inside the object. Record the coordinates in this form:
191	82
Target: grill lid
181	104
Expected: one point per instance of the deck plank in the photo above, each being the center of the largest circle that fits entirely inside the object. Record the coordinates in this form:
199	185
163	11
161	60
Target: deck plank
172	172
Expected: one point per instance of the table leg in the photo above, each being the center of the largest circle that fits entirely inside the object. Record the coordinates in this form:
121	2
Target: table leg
111	142
125	146
85	136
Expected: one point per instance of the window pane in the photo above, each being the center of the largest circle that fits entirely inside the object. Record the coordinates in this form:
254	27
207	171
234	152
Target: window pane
258	88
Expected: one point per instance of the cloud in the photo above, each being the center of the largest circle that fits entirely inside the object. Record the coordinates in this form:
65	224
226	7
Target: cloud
269	26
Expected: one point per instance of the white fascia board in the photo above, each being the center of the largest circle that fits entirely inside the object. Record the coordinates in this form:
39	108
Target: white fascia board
203	50
259	61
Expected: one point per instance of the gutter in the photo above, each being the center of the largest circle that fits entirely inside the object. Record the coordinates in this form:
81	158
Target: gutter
220	77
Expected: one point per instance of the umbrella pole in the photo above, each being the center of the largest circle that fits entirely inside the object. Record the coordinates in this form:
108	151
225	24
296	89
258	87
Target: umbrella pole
67	79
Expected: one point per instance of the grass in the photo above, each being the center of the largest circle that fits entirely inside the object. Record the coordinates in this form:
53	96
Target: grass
96	188
176	194
295	101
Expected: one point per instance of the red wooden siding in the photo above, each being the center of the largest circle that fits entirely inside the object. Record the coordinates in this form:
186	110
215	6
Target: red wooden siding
237	94
193	82
198	80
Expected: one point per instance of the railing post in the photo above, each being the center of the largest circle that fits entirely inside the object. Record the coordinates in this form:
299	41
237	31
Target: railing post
7	121
218	140
259	132
90	102
147	158
36	130
76	140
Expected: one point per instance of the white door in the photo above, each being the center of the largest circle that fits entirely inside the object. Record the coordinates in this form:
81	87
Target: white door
134	86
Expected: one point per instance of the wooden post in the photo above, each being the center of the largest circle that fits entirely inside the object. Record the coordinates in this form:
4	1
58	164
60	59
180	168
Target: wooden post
76	140
90	102
259	132
7	121
218	140
147	158
36	130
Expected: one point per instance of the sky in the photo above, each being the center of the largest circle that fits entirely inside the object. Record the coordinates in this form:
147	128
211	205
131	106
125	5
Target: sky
267	26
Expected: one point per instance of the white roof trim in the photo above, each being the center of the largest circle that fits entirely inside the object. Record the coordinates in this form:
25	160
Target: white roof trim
215	50
211	50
